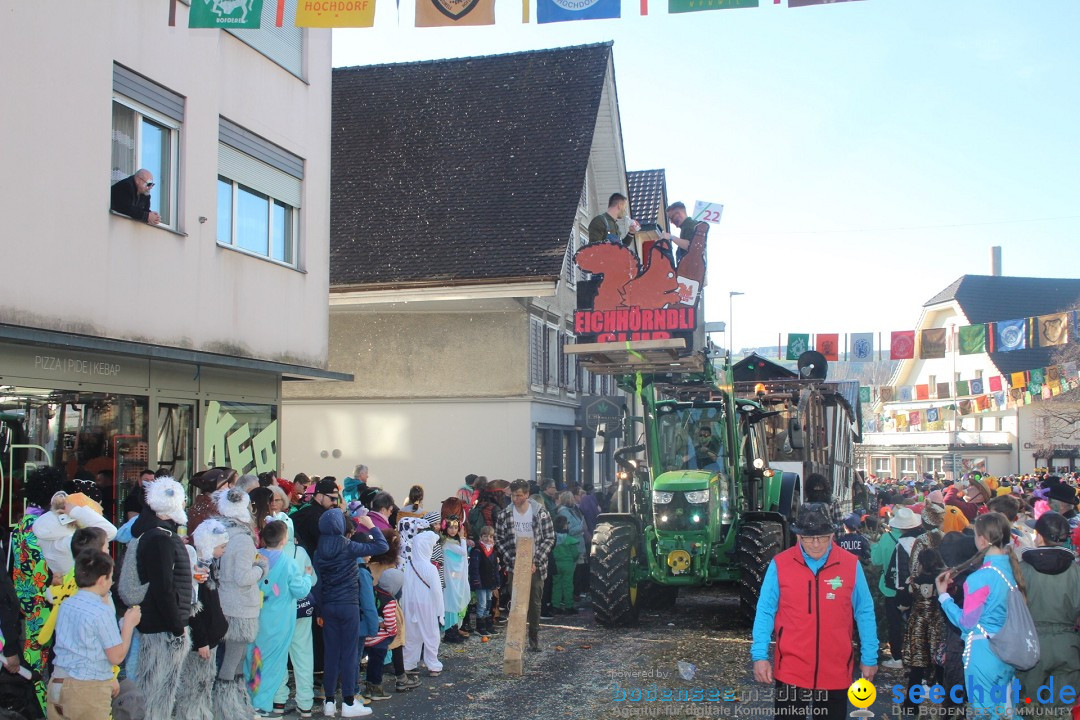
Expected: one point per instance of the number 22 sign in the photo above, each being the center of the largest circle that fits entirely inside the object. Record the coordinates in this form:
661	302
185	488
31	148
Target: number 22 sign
707	211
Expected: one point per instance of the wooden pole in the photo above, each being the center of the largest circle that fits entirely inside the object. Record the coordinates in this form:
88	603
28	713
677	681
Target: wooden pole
513	662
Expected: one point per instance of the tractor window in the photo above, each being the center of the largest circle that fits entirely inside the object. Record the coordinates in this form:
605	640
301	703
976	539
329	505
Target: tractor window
690	438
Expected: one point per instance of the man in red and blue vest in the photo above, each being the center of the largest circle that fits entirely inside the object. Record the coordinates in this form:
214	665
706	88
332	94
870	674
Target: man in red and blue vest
813	595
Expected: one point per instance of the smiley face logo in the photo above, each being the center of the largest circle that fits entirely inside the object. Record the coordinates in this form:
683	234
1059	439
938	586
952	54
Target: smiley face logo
862	693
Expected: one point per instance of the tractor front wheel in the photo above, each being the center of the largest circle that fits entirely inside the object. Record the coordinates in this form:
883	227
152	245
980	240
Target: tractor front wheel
611	573
756	545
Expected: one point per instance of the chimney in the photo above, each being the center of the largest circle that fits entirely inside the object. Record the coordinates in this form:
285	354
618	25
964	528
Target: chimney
995	261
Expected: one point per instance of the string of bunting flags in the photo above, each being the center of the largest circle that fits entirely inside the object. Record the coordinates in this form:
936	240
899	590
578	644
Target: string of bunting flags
247	14
933	343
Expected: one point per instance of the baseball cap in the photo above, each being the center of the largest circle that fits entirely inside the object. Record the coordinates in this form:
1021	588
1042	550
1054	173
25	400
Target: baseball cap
327	487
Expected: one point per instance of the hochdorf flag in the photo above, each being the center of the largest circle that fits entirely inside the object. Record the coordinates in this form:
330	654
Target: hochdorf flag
231	14
681	6
335	13
452	13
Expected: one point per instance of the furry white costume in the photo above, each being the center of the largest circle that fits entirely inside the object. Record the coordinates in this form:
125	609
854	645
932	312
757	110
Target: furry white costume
241	571
422	605
198	675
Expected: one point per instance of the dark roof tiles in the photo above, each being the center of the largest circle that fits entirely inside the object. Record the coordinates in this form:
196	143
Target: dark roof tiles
992	298
464	170
646	190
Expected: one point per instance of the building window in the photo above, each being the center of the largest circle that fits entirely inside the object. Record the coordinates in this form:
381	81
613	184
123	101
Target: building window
936	466
882	466
256	223
536	352
931	380
146	121
551	366
907	467
259	189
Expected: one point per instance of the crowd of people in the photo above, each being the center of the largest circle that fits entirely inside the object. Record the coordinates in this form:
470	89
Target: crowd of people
946	573
262	595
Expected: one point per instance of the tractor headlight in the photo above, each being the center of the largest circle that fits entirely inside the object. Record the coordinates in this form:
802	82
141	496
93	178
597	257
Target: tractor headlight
659	497
697	497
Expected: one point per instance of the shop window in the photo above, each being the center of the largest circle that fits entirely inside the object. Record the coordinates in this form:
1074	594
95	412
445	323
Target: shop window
146	121
103	434
241	436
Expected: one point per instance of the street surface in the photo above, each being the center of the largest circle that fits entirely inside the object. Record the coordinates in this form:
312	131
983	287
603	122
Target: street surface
584	670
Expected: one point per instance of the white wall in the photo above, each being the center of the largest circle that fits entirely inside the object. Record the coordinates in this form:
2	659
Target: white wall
84	270
434	444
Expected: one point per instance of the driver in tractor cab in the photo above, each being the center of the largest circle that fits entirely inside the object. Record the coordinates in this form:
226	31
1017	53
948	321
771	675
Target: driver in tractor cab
707	449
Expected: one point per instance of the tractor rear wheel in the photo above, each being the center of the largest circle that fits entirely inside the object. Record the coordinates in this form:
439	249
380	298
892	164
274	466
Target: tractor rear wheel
756	545
611	573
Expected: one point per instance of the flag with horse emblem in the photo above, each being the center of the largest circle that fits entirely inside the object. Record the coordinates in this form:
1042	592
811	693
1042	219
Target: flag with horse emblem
230	14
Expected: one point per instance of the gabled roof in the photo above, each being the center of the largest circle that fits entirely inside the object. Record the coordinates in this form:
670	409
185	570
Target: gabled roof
754	367
646	191
460	171
992	298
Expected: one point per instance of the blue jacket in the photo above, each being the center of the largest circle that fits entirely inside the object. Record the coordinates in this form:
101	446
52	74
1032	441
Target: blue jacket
369	615
336	561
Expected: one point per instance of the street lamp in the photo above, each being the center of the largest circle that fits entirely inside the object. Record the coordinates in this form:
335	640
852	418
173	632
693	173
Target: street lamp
731	342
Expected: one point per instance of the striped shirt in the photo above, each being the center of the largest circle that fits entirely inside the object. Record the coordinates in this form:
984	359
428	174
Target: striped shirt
388	627
85	628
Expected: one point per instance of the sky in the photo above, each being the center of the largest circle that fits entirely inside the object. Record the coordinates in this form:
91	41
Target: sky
867	153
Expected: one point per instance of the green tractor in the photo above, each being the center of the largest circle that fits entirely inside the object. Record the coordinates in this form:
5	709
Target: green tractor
696	502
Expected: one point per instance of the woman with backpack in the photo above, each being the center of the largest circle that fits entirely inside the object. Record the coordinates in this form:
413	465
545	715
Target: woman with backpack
984	613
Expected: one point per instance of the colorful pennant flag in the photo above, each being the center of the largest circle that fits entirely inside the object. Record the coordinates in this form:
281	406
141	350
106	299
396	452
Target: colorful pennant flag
995	383
1069	369
1053	329
245	15
932	415
976	386
454	13
902	346
972	339
915	418
862	347
681	6
982	403
943	390
932	343
549	11
962	388
1046	394
864	394
334	13
965	407
1018	379
886	393
922	392
797	344
1010	335
905	393
999	400
1053	374
828	344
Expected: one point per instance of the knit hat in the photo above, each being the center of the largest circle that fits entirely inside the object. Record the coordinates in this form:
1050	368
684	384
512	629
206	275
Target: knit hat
391	580
233	503
166	497
209	535
936	497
